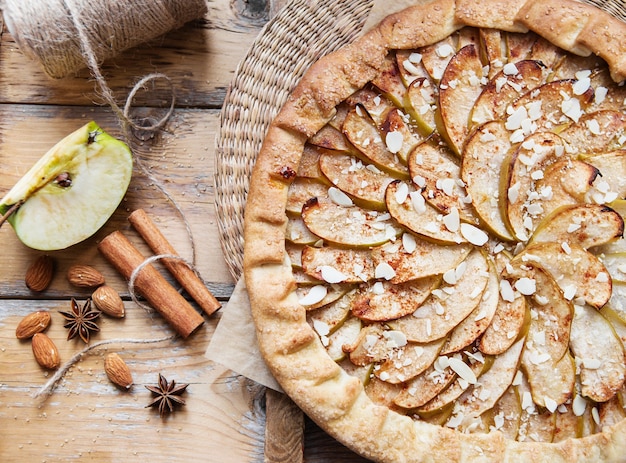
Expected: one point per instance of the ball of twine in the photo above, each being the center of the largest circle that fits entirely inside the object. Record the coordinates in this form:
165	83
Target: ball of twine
46	31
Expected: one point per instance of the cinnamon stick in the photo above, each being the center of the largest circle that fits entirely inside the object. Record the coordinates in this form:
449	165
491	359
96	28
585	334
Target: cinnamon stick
159	244
161	295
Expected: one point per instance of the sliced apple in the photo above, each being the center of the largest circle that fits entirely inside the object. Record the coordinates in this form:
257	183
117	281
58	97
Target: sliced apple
345	335
410	65
599	354
611	412
468	371
475	324
435	169
460	86
612	167
408	361
489	387
313	295
372	345
338	265
425	387
382	393
417	259
421	103
547	107
365	183
71	191
505	415
298	233
548	53
300	191
507	323
492	49
537	425
586	225
449	305
519	45
384	301
399	136
369	98
328	137
615	265
349	226
360	129
362	373
309	164
328	318
389	81
435	57
485	154
503	88
568	425
597	132
579	273
406	205
527	166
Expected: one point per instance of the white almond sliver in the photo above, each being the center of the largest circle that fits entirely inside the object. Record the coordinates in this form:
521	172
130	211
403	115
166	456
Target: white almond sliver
551	404
402	192
315	295
506	291
332	275
452	221
394	141
579	405
461	369
409	243
321	327
339	197
384	270
418	201
526	286
473	234
510	69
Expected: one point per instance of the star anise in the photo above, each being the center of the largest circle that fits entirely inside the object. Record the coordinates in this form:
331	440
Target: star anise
81	320
167	395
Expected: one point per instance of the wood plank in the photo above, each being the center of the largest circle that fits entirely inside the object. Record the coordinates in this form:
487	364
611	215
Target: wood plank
88	417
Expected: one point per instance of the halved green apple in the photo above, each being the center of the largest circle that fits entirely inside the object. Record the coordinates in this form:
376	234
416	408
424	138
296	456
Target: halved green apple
72	190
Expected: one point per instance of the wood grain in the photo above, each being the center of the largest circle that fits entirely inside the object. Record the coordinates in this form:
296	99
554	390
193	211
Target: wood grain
284	429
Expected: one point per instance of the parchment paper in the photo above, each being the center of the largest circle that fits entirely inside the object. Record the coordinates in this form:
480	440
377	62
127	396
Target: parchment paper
234	343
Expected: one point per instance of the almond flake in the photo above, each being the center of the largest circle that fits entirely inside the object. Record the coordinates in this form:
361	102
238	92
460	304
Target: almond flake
452	221
415	58
384	270
595	415
410	67
600	94
579	405
445	50
506	291
339	197
593	126
592	364
332	275
581	86
455	420
510	69
513	193
378	288
409	243
550	404
321	327
315	295
474	234
461	369
527	401
571	108
394	141
419	181
450	277
565	246
569	292
514	121
395	338
402	192
418	201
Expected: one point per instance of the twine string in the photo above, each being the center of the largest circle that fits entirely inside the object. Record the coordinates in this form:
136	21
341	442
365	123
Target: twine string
48	388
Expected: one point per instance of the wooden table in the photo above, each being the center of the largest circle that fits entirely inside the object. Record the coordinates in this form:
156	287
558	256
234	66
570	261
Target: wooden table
87	418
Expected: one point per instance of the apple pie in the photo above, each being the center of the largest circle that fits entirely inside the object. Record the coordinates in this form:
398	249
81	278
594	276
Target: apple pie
434	246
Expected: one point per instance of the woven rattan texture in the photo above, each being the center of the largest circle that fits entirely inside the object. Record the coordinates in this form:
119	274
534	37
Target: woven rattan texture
299	35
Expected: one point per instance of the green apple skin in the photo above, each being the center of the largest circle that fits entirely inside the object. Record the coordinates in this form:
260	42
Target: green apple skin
56	214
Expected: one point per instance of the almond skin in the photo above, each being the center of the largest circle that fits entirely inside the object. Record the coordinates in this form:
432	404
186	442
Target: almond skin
108	301
84	276
40	273
117	371
45	352
33	323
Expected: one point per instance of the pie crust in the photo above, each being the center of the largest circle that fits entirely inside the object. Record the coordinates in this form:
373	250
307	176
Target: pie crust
290	346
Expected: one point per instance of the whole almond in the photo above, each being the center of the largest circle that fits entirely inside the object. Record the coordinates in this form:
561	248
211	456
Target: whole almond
39	274
33	323
117	371
107	300
45	352
84	276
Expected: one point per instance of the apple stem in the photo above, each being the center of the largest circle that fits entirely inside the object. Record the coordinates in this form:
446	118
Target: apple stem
11	210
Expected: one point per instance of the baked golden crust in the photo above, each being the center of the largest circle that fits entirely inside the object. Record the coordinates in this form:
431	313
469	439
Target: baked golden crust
289	345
